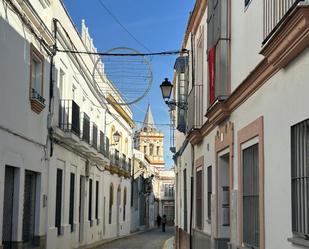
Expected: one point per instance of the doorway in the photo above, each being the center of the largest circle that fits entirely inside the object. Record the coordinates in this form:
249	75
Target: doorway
29	207
82	184
118	209
9	206
224	196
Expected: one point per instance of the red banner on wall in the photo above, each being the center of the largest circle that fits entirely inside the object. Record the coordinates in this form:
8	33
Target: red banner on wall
211	73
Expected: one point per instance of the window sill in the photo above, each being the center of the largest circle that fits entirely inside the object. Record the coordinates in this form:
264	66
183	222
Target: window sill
299	241
36	105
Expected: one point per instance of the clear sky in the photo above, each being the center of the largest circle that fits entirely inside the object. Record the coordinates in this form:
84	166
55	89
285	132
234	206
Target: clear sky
159	25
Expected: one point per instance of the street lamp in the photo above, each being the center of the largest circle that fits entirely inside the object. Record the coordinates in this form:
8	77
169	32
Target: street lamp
166	90
116	137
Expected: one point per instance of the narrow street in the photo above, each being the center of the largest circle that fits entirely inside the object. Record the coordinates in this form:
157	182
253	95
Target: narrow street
153	239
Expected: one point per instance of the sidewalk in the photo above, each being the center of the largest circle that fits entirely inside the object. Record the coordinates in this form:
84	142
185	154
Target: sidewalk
169	244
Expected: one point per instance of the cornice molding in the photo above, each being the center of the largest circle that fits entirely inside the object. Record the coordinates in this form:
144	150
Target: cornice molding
120	110
290	40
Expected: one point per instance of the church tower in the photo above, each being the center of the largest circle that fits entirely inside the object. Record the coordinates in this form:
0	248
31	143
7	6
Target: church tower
150	141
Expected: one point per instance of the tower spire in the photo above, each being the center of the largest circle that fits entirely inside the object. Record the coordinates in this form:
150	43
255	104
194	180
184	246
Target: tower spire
149	123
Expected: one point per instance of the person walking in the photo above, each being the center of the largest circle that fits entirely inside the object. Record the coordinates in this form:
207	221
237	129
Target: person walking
159	220
163	223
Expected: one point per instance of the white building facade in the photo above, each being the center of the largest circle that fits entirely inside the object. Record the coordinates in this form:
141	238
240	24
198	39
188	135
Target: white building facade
65	181
242	144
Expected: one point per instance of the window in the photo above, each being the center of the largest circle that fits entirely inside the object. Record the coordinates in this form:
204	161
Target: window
151	149
300	178
97	200
58	209
185	212
158	150
124	203
199	199
145	149
251	197
90	202
72	192
168	190
36	68
111	200
36	80
209	191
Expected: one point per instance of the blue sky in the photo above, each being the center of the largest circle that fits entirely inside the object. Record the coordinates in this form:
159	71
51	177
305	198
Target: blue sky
159	25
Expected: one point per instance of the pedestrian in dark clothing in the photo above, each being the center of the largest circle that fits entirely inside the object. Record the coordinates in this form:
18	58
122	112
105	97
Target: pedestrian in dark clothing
163	223
159	220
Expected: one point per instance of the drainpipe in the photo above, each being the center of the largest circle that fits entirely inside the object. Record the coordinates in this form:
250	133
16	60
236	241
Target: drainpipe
192	147
51	90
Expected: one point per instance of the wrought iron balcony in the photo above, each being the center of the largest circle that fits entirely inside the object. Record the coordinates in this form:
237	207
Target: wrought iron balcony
86	128
275	13
35	95
94	136
104	145
195	108
69	117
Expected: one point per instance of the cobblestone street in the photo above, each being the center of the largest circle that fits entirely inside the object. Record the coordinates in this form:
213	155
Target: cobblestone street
153	239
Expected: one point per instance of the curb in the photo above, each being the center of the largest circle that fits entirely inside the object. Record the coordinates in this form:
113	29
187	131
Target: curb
106	241
169	243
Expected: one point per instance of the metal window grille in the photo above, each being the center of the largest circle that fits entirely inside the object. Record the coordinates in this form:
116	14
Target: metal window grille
251	197
199	199
90	202
185	211
72	192
97	200
58	201
300	178
209	191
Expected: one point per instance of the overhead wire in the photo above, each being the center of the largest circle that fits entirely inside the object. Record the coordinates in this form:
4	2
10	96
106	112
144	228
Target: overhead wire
122	26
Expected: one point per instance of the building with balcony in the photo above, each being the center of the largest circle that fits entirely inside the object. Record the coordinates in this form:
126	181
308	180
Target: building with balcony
66	178
241	144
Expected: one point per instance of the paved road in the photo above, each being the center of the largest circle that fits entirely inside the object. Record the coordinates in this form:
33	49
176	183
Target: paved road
153	239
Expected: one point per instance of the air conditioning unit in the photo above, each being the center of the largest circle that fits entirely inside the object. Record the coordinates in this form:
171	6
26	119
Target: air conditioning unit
87	168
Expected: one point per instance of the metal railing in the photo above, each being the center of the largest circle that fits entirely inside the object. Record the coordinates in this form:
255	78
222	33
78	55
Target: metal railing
275	13
36	95
69	117
94	136
86	128
195	107
120	160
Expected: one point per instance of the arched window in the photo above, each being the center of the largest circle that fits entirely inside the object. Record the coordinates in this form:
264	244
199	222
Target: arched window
158	150
151	149
111	202
124	203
